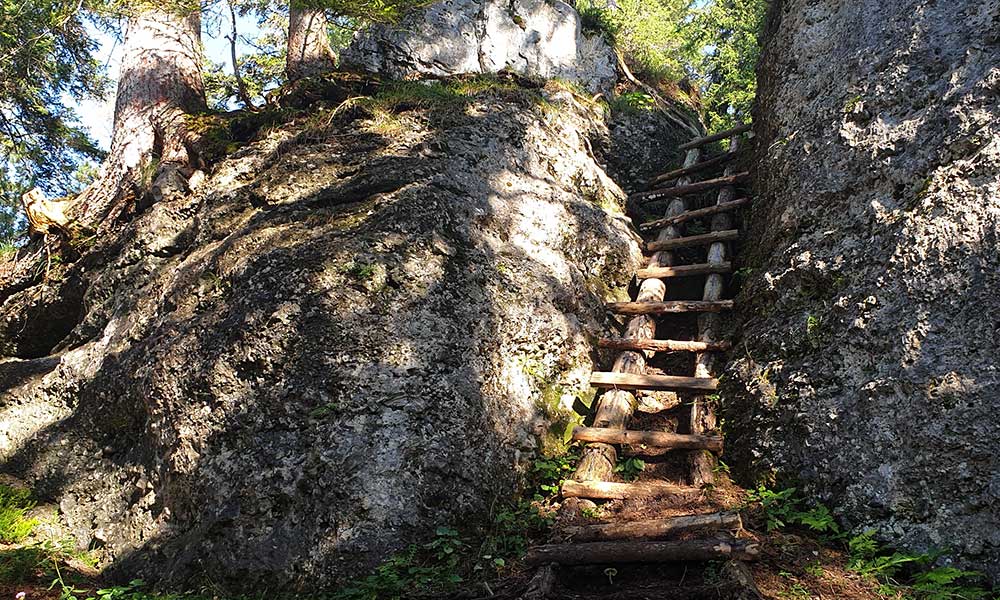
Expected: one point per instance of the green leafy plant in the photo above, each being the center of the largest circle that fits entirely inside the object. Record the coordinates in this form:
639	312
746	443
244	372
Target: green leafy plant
15	525
630	468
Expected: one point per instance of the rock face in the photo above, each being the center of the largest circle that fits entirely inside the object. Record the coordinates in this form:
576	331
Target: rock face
539	38
345	337
871	330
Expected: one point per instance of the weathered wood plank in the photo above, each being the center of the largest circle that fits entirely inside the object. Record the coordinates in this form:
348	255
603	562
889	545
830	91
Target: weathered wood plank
691	188
697	167
694	214
652	529
669	306
658	439
606	490
640	552
683	270
670	383
663	345
693	240
739	129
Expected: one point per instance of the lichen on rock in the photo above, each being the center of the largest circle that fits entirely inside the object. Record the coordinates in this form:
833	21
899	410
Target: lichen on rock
339	341
867	368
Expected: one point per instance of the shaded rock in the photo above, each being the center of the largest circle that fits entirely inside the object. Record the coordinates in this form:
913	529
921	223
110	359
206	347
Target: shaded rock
870	332
536	38
343	338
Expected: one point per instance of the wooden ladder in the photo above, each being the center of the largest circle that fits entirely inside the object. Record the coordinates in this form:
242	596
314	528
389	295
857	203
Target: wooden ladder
703	532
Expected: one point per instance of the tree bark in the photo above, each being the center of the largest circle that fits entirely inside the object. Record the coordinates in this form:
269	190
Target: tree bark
309	51
159	85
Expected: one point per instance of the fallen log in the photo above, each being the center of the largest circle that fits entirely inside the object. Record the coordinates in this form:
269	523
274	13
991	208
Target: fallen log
683	270
669	383
697	167
663	345
640	552
606	490
694	214
658	439
691	188
694	240
739	129
653	529
670	306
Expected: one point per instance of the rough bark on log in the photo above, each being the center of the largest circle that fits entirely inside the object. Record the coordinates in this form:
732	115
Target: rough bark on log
691	188
606	490
308	52
658	439
663	345
640	552
159	86
735	131
670	383
671	306
694	214
702	416
694	240
541	585
697	167
653	529
615	407
683	270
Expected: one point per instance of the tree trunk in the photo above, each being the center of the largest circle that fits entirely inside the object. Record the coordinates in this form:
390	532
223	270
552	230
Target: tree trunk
159	85
309	51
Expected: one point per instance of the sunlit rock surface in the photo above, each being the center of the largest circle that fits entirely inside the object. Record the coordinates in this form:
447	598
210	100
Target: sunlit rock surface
540	38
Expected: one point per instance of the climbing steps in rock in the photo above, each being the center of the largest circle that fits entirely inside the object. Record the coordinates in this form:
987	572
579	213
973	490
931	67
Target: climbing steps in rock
670	511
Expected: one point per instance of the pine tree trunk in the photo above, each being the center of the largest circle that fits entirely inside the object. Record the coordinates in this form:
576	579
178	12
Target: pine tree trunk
159	85
309	51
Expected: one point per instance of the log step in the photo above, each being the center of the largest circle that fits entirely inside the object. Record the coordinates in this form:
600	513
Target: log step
640	552
697	167
653	529
606	490
716	137
694	214
684	270
691	188
663	345
670	306
656	439
726	235
669	383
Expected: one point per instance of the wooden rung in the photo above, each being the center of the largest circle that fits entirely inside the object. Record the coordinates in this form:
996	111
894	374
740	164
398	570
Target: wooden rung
694	240
663	345
653	529
657	439
697	167
670	306
669	383
640	552
694	214
606	490
691	188
718	136
684	270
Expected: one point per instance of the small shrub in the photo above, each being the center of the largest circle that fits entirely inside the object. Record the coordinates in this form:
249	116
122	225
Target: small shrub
630	468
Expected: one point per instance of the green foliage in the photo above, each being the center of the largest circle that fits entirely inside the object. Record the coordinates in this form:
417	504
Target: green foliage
630	468
650	34
45	56
262	70
633	102
724	39
783	508
15	525
547	474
